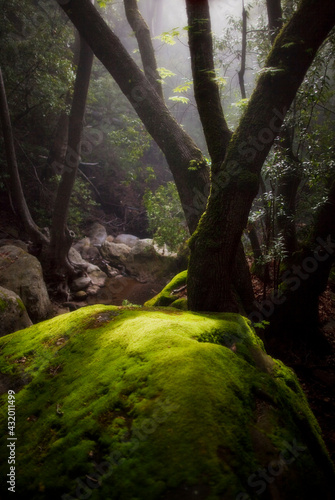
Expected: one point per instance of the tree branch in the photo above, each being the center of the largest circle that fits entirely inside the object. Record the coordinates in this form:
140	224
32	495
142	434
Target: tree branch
143	37
206	90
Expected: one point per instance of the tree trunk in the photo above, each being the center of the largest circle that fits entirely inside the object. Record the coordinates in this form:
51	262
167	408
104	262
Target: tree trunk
15	182
206	90
220	228
275	17
60	237
296	313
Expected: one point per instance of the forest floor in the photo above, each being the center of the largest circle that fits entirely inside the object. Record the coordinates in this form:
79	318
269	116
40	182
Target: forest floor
316	371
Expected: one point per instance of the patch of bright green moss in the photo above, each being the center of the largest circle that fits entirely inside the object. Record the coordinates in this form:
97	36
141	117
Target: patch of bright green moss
127	403
165	297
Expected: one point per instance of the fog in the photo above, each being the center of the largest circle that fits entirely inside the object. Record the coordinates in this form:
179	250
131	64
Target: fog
163	15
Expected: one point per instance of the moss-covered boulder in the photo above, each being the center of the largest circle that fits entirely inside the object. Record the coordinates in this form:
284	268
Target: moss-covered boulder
130	403
22	273
13	314
169	295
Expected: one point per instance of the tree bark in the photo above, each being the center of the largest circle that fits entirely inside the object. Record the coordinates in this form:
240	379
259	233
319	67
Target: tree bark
275	17
206	90
297	313
60	237
241	72
220	228
217	133
188	167
15	182
143	37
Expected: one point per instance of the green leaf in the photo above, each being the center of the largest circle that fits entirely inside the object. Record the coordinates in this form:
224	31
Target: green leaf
165	73
168	37
184	87
180	98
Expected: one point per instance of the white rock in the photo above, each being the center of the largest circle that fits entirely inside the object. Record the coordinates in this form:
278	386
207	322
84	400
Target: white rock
126	239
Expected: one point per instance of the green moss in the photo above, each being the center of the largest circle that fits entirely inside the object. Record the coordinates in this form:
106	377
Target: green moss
164	298
3	305
180	304
153	400
21	304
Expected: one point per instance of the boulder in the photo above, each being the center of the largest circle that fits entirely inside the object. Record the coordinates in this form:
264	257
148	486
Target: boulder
80	283
125	403
85	249
22	273
141	261
15	243
114	252
76	258
97	234
126	239
13	313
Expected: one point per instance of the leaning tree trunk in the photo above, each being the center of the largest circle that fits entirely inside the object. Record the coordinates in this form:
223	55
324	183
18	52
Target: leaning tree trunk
61	239
185	160
16	190
214	244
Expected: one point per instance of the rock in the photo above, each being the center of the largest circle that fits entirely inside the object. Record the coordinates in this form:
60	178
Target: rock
141	246
115	252
13	313
98	277
80	283
22	273
97	234
126	239
110	238
76	258
15	243
141	261
81	295
146	404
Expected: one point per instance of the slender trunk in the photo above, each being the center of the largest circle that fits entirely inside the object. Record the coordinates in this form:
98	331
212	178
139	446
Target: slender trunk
143	37
13	171
60	236
241	73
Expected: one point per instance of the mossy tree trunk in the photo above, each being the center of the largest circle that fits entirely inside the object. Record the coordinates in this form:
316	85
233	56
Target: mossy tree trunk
214	244
216	130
